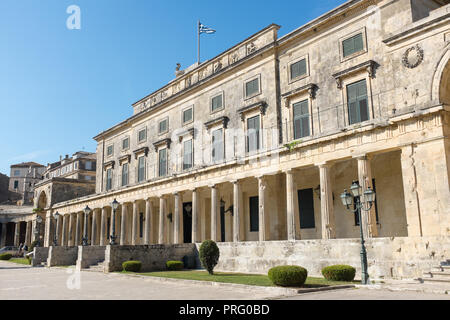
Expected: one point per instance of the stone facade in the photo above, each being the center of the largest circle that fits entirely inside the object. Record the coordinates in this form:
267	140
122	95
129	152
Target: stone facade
257	144
23	178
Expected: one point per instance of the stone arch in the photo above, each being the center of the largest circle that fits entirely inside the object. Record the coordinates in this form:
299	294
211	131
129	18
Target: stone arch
42	200
440	91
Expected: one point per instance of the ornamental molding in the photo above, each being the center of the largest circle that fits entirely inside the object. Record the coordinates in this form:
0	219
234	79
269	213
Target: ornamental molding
261	105
224	120
311	88
126	158
368	66
190	132
413	57
109	164
167	142
140	151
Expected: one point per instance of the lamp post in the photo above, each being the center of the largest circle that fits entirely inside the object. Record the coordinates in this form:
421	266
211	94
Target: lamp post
86	210
37	231
364	204
55	239
112	237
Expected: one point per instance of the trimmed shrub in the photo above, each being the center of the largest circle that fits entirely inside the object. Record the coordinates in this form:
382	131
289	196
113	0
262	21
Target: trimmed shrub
339	273
288	276
175	265
5	256
132	266
209	255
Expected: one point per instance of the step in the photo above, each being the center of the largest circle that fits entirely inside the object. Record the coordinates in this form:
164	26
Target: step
437	279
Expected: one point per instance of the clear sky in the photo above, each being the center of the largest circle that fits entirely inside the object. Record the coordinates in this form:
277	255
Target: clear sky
59	87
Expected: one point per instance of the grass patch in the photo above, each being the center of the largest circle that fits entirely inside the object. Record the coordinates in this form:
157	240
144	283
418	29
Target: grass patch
20	261
239	278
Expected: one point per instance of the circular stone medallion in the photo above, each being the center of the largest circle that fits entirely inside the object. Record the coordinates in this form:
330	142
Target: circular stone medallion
413	57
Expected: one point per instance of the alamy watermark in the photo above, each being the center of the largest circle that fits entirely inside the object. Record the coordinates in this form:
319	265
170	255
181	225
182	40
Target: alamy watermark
73	22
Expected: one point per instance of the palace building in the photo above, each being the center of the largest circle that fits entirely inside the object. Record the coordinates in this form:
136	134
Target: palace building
254	147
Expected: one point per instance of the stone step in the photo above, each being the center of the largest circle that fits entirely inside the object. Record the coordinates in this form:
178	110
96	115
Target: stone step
437	279
436	273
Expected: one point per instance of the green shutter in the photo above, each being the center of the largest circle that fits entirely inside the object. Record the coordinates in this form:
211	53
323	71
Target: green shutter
353	44
162	162
253	127
252	87
301	119
357	100
298	69
216	103
187	158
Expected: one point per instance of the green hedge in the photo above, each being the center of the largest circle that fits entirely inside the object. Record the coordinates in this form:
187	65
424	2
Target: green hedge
132	266
175	265
339	273
5	256
209	255
288	276
30	259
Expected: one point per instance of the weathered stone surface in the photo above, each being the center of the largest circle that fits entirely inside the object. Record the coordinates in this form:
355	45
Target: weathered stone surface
40	254
62	256
90	255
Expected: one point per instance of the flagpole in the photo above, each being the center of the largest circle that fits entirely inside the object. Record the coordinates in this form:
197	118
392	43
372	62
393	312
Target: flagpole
198	37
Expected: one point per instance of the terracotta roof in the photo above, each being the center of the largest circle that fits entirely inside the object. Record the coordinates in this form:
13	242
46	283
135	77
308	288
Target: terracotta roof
26	165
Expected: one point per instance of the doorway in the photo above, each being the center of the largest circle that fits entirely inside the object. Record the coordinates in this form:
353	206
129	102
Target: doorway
187	222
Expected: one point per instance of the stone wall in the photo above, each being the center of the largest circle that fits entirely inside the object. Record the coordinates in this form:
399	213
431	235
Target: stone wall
88	256
399	258
153	257
62	256
40	254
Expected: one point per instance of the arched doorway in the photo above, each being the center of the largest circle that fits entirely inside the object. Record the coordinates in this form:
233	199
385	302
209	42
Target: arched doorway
42	200
444	87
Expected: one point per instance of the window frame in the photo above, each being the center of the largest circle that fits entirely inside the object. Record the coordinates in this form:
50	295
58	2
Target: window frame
213	130
347	37
294	61
140	179
182	116
185	168
221	93
167	126
259	87
292	104
159	162
127	174
247	145
107	151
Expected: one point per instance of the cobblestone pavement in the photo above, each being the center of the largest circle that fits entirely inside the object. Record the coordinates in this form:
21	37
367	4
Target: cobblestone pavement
19	282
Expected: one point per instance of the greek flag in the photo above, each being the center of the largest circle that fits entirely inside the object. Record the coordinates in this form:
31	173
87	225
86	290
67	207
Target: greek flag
204	29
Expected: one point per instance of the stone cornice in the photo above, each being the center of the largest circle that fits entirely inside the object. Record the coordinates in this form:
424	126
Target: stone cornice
262	105
125	158
311	88
111	163
368	66
166	141
140	151
211	123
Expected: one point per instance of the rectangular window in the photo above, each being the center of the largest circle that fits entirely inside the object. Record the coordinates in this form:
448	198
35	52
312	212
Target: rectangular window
110	150
298	69
217	103
141	169
301	119
125	174
306	208
162	162
108	179
187	115
88	165
254	214
16	184
252	88
352	45
16	173
142	135
126	143
163	126
187	155
141	225
358	106
253	127
217	145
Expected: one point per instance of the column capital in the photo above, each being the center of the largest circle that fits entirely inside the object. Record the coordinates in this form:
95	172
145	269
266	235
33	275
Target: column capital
212	186
236	181
325	164
363	157
289	171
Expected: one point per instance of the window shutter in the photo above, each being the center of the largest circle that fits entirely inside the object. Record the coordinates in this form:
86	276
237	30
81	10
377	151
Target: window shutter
298	69
254	214
306	208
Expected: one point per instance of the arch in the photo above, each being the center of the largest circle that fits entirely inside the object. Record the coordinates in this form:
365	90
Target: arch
42	200
441	79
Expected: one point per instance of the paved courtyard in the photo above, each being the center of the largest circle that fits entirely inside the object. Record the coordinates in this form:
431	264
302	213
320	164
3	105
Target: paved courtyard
22	282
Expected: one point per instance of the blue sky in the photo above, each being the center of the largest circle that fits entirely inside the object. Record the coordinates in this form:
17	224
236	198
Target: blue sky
60	87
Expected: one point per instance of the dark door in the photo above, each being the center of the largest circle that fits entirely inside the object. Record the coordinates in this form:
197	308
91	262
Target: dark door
306	208
222	223
187	222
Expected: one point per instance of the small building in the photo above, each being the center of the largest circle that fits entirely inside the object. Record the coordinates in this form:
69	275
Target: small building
23	178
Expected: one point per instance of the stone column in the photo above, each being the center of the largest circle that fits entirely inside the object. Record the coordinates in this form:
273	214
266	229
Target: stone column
290	205
123	224
63	231
17	234
176	218
85	227
369	219
47	231
28	233
3	239
94	228
236	211
103	221
77	229
70	231
148	219
135	223
262	185
194	216
162	210
326	202
214	213
412	204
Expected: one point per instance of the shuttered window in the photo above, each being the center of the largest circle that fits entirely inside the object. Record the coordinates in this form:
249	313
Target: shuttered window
252	88
125	174
125	143
306	208
110	150
163	126
253	127
217	145
301	119
187	155
353	45
217	103
358	107
298	69
254	214
141	169
162	162
187	115
142	135
108	179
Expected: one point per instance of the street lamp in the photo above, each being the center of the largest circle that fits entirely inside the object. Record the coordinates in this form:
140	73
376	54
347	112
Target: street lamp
112	237
55	239
86	210
37	231
364	204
